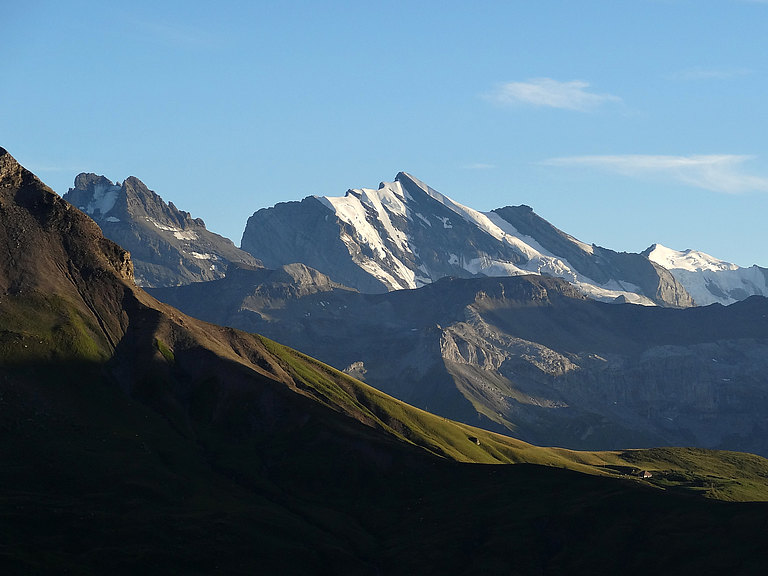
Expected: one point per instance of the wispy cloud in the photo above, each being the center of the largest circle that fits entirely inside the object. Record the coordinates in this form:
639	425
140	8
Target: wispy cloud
47	167
549	93
716	172
702	73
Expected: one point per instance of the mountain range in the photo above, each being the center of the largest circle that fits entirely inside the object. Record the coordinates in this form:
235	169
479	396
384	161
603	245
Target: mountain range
503	352
405	234
137	438
528	356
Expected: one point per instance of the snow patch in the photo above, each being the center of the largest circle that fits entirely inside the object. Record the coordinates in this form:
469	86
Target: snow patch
367	211
185	234
178	233
103	199
112	219
423	219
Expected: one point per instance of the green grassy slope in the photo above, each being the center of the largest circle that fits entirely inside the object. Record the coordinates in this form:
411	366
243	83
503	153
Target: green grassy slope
716	474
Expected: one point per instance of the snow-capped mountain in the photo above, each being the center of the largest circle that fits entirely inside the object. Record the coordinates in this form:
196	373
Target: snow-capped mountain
167	245
405	234
709	280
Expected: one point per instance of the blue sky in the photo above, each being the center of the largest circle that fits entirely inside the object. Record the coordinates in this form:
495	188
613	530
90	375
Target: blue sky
623	123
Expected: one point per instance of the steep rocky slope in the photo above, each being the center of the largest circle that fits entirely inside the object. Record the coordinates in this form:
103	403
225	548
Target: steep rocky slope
406	234
167	245
527	355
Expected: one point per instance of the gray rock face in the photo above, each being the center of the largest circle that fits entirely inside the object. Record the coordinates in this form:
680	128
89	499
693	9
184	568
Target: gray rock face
167	245
304	232
529	356
406	235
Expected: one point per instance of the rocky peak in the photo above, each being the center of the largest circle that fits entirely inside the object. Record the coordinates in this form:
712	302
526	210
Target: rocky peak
140	201
103	200
169	247
13	174
49	247
90	181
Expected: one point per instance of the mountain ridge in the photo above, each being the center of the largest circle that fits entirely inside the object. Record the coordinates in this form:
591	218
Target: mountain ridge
168	246
406	234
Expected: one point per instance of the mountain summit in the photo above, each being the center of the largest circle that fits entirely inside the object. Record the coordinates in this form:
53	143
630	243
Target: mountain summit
709	280
167	245
405	234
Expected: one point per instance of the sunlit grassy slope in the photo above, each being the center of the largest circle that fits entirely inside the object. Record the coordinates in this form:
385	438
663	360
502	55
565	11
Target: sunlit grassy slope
716	474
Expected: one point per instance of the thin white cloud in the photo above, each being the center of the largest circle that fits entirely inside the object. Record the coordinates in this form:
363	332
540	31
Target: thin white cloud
38	167
549	93
715	172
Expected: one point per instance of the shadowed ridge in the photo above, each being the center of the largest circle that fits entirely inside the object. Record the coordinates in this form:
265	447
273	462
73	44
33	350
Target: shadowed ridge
56	259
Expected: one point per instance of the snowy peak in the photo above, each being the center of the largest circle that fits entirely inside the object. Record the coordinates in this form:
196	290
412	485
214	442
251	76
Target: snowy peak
709	280
405	234
692	260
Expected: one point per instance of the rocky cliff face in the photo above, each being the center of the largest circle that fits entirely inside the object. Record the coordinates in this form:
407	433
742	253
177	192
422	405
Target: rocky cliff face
55	262
406	235
168	246
527	355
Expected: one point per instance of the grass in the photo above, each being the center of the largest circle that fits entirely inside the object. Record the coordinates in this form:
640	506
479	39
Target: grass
165	350
35	326
715	474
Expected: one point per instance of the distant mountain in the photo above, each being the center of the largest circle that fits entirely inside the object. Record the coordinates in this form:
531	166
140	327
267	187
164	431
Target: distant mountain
168	246
406	235
136	439
709	280
526	355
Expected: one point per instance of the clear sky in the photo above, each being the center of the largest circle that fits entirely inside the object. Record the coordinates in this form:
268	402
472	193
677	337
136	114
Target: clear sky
623	123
